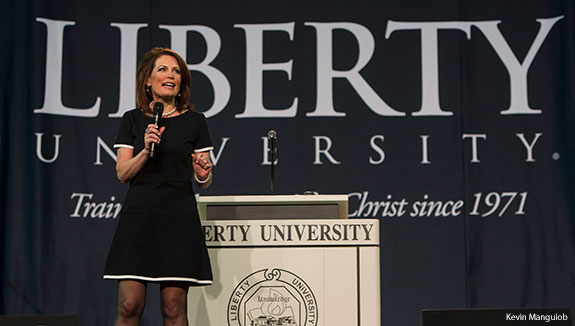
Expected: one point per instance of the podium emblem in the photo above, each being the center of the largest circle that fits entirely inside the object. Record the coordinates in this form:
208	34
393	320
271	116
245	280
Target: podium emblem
272	297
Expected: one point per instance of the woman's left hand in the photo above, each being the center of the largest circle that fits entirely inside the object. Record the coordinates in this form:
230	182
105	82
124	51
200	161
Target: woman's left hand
202	165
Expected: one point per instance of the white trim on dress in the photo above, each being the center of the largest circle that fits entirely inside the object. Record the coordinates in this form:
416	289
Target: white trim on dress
156	279
205	149
123	146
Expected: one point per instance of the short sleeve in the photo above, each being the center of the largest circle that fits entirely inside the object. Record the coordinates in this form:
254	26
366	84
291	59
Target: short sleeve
203	141
125	137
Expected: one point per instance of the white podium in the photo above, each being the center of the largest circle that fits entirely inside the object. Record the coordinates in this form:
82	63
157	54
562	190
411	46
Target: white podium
300	272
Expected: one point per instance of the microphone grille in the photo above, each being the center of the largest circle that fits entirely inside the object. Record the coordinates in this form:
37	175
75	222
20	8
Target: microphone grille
158	108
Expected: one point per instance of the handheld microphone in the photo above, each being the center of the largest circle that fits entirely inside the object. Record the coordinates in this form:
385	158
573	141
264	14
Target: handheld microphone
158	110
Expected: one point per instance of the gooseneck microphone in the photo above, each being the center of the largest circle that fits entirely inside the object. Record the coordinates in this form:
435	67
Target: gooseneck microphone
272	139
272	147
158	110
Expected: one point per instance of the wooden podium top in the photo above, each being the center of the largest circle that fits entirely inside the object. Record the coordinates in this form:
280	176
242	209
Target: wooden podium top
259	207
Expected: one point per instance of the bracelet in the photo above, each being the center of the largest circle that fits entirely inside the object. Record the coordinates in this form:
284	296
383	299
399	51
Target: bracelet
202	181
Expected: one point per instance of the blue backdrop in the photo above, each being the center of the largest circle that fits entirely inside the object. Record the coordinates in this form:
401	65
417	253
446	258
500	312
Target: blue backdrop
451	122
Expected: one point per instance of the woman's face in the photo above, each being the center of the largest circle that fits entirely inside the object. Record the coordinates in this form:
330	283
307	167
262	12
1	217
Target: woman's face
165	79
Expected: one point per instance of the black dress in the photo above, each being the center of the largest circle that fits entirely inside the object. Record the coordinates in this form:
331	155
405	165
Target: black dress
159	236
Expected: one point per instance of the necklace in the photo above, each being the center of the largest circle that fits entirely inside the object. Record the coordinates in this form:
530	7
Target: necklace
163	114
168	113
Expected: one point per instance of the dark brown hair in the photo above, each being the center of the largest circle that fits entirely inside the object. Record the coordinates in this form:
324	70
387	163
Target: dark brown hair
145	67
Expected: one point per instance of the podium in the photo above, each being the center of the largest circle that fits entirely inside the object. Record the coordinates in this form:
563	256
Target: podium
273	207
290	272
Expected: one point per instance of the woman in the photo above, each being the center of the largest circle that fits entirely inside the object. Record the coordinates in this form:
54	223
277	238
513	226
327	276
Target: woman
159	237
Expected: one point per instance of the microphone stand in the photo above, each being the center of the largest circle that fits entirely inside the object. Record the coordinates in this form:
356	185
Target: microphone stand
272	139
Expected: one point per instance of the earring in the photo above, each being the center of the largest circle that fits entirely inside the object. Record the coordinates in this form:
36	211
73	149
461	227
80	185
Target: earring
148	89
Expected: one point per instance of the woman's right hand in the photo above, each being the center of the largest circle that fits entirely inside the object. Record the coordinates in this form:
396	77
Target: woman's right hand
129	165
152	135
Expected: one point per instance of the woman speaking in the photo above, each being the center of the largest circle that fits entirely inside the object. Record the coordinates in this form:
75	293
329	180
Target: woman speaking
159	237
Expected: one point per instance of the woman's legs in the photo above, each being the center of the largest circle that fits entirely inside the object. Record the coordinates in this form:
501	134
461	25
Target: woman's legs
131	302
174	303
